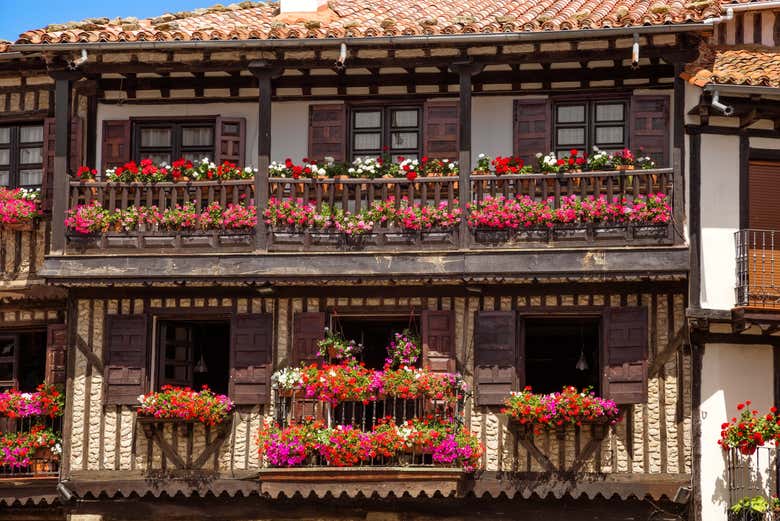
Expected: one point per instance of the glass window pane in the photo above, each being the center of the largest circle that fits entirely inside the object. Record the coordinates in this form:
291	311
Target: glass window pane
197	137
31	134
571	114
155	137
5	135
157	157
609	112
368	119
5	156
6	372
31	155
658	123
367	141
404	118
404	140
30	177
7	346
196	157
5	178
396	157
609	135
571	136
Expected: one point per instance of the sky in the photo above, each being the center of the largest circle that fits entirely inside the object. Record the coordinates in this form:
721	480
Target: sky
17	16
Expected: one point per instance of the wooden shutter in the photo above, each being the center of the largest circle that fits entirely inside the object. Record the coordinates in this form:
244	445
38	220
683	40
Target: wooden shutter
116	143
230	141
438	338
75	158
497	357
440	130
649	128
56	354
308	329
328	132
763	190
532	128
125	371
250	359
625	355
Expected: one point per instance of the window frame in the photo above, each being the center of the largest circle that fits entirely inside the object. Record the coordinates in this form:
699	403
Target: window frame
15	146
385	130
176	148
13	360
590	124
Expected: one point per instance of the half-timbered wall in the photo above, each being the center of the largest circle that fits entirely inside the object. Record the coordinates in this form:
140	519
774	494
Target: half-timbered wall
653	439
749	28
21	255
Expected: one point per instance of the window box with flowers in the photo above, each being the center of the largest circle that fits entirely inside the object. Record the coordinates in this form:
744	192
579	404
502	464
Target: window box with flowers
19	209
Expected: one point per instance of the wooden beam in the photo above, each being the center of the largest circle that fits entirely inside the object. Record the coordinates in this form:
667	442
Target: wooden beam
749	118
62	110
694	281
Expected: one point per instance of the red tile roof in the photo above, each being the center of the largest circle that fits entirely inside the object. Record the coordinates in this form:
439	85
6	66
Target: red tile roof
366	18
743	65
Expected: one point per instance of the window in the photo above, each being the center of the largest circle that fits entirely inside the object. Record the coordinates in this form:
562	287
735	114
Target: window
375	333
164	142
561	352
582	125
21	155
195	353
22	360
396	130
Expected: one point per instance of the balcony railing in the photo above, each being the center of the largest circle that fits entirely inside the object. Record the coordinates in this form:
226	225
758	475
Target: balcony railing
758	279
37	463
751	476
353	195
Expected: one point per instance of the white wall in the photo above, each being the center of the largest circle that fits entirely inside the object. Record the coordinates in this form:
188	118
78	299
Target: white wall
492	126
731	374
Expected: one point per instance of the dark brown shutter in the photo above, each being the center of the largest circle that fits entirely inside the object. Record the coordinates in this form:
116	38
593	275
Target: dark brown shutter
116	143
250	375
438	338
649	124
440	130
230	141
496	356
56	354
308	329
328	132
532	129
763	187
75	159
625	355
125	371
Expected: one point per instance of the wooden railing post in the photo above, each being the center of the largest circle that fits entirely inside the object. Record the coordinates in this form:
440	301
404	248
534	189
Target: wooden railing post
60	180
264	72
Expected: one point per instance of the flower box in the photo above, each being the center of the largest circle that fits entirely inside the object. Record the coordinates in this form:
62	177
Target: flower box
183	404
400	237
322	238
488	236
436	236
609	231
657	231
569	232
26	226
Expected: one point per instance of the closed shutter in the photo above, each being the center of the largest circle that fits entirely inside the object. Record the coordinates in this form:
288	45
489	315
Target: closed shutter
308	330
56	354
75	158
625	355
649	124
230	141
440	130
532	129
328	132
125	372
497	357
763	200
115	150
250	374
438	338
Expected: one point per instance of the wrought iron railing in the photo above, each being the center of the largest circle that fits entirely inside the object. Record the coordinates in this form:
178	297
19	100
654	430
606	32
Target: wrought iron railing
758	254
751	476
40	462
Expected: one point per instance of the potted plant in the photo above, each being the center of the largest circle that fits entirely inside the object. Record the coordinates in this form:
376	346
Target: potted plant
623	160
404	350
183	403
336	347
749	509
749	430
599	160
19	208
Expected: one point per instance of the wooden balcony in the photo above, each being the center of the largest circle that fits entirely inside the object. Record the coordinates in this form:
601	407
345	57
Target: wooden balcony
758	269
36	464
353	195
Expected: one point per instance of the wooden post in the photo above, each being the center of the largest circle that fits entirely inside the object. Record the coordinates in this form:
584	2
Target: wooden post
678	154
62	91
465	71
264	73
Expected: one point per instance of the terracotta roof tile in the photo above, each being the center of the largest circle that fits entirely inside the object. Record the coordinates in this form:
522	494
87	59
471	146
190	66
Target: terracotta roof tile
755	66
364	18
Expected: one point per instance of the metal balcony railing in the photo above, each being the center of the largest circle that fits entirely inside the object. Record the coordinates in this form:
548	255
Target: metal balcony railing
758	283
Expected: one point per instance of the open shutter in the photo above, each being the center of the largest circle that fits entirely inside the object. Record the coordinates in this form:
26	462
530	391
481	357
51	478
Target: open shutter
125	372
230	141
764	205
650	128
532	128
75	159
496	356
625	355
308	329
115	150
438	338
56	354
250	356
440	130
328	132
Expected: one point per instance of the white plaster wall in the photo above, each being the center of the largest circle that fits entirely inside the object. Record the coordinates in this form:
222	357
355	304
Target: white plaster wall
731	374
719	219
492	126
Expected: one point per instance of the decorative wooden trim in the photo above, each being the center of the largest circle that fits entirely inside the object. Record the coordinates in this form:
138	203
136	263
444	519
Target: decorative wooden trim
694	240
744	182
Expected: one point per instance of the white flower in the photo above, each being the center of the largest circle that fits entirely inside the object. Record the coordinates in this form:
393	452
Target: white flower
538	155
